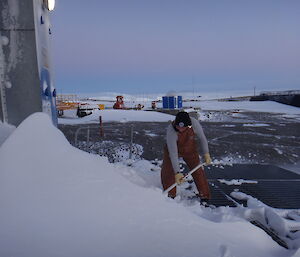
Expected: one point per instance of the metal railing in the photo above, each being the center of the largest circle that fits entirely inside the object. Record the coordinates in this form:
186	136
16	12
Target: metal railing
87	135
103	130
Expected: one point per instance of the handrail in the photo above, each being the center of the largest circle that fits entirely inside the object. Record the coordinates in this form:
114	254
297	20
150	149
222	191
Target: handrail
88	127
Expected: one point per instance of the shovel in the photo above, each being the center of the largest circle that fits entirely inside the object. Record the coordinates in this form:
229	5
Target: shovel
190	173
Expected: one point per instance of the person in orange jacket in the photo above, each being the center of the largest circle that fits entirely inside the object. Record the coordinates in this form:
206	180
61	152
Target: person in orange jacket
181	143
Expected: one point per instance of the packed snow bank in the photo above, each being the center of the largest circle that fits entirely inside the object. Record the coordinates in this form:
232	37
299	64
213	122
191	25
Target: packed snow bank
118	116
286	228
5	131
59	201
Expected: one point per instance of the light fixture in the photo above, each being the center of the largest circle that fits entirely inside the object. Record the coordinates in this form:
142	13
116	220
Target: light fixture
49	4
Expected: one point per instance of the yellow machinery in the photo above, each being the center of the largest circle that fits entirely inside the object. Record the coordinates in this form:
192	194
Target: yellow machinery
101	106
71	102
66	102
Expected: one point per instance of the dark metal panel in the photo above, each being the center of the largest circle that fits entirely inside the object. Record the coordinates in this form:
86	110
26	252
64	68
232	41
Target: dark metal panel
20	79
276	187
250	171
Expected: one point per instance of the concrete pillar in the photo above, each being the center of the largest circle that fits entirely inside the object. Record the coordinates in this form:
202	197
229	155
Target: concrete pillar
26	84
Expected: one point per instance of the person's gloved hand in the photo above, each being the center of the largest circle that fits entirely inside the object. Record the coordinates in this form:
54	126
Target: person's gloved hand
179	178
207	159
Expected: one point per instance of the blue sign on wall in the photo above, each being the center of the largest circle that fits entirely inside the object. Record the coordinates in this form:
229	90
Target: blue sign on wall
48	95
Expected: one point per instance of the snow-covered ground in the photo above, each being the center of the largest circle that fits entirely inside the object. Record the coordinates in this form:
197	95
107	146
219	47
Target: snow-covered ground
134	115
59	201
206	101
114	115
255	106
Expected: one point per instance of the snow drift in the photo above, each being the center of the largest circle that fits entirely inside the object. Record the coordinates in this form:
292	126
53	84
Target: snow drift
59	201
115	115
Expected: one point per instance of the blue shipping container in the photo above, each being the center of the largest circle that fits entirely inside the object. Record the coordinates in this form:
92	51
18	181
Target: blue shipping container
171	102
179	101
165	102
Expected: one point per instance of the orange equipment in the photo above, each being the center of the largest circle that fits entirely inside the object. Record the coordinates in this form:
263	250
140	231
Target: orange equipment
153	105
119	104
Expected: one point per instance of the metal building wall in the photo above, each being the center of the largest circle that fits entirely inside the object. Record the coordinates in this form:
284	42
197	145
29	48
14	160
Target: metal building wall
23	91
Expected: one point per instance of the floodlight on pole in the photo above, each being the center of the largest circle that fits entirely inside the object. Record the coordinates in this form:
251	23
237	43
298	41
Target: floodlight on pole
50	4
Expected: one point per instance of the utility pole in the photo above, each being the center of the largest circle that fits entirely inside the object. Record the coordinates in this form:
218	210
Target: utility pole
193	84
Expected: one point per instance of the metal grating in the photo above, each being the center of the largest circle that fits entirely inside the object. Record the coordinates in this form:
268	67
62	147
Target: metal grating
218	197
250	171
276	187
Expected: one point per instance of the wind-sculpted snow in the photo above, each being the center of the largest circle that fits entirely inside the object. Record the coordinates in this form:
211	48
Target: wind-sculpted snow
237	182
59	201
284	223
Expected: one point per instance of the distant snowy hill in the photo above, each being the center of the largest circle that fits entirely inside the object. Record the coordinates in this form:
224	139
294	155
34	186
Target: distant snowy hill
200	95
